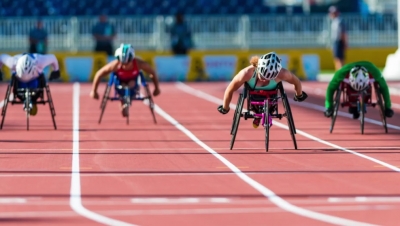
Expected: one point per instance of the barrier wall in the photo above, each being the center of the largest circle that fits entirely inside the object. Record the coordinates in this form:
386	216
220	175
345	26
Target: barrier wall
213	65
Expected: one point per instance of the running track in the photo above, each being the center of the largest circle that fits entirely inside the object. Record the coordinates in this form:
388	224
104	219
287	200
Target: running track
181	171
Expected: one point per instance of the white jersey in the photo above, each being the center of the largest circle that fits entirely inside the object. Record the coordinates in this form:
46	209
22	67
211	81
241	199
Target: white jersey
42	61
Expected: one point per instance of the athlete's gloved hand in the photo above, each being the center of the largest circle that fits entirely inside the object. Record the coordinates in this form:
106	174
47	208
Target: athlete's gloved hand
389	112
222	110
1	75
301	97
328	113
54	75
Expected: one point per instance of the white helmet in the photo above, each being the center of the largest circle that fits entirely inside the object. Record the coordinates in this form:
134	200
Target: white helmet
359	78
26	67
269	66
125	53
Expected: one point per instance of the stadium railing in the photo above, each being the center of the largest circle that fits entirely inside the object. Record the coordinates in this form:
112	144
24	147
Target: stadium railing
212	32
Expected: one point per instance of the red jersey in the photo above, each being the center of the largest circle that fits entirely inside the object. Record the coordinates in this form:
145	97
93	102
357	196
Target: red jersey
128	75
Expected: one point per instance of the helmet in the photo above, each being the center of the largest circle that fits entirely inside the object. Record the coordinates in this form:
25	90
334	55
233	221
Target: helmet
269	66
26	67
359	78
125	53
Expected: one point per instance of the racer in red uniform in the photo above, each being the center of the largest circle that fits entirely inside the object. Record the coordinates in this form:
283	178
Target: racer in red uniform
126	67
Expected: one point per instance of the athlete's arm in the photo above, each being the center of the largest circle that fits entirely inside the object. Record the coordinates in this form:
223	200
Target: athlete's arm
46	60
288	76
152	73
338	77
104	71
7	60
237	81
376	73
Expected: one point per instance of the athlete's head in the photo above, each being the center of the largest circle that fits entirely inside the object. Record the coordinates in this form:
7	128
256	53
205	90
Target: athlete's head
26	67
125	53
268	66
359	78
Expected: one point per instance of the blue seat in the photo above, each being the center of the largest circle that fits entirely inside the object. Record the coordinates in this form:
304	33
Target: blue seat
120	92
127	95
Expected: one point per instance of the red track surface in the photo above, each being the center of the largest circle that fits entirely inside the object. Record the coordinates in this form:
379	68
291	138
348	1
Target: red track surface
147	174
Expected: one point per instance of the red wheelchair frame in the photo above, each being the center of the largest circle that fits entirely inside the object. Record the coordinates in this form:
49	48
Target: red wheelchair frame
360	99
269	101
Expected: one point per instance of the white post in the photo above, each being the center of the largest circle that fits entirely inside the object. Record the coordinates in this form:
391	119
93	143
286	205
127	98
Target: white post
306	6
398	24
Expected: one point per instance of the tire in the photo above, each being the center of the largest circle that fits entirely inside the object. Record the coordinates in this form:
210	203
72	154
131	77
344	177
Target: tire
362	112
266	123
104	102
236	110
27	102
236	120
151	103
336	104
379	99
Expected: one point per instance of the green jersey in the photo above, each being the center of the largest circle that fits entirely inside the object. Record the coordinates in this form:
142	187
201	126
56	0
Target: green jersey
341	74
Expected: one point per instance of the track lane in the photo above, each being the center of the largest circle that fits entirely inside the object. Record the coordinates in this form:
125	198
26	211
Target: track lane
215	181
43	152
338	183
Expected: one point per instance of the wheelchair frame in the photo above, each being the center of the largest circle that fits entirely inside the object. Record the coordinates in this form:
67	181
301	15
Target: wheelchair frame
266	119
28	93
360	103
140	80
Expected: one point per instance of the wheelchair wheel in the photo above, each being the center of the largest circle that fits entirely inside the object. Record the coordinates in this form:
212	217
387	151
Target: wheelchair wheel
151	103
336	104
104	101
379	99
266	123
51	105
235	114
6	100
288	113
236	120
127	103
27	107
361	109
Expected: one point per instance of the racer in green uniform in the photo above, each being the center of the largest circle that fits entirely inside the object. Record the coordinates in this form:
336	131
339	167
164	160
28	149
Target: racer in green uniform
358	77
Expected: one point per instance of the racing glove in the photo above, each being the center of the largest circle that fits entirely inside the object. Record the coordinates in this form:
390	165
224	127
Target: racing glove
301	97
328	113
54	75
389	112
222	110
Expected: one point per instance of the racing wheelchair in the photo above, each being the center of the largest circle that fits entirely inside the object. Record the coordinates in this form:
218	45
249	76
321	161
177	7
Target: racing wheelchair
360	99
28	97
128	97
265	107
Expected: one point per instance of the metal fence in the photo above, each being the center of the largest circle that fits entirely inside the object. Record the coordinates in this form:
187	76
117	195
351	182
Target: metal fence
211	32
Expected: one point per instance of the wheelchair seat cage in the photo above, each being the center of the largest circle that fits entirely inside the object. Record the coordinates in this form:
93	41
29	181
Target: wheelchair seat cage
127	97
360	100
264	105
27	94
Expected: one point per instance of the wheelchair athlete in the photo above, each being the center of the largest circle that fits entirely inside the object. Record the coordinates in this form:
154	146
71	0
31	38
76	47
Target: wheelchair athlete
126	67
264	74
28	72
359	80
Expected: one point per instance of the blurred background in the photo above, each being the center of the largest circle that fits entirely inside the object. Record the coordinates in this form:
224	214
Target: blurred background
204	40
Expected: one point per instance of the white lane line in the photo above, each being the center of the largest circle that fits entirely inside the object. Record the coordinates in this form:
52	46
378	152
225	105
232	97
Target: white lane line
342	113
75	200
283	204
362	199
218	101
195	211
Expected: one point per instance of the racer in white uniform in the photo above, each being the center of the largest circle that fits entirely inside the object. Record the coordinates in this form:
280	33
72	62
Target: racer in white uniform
28	71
